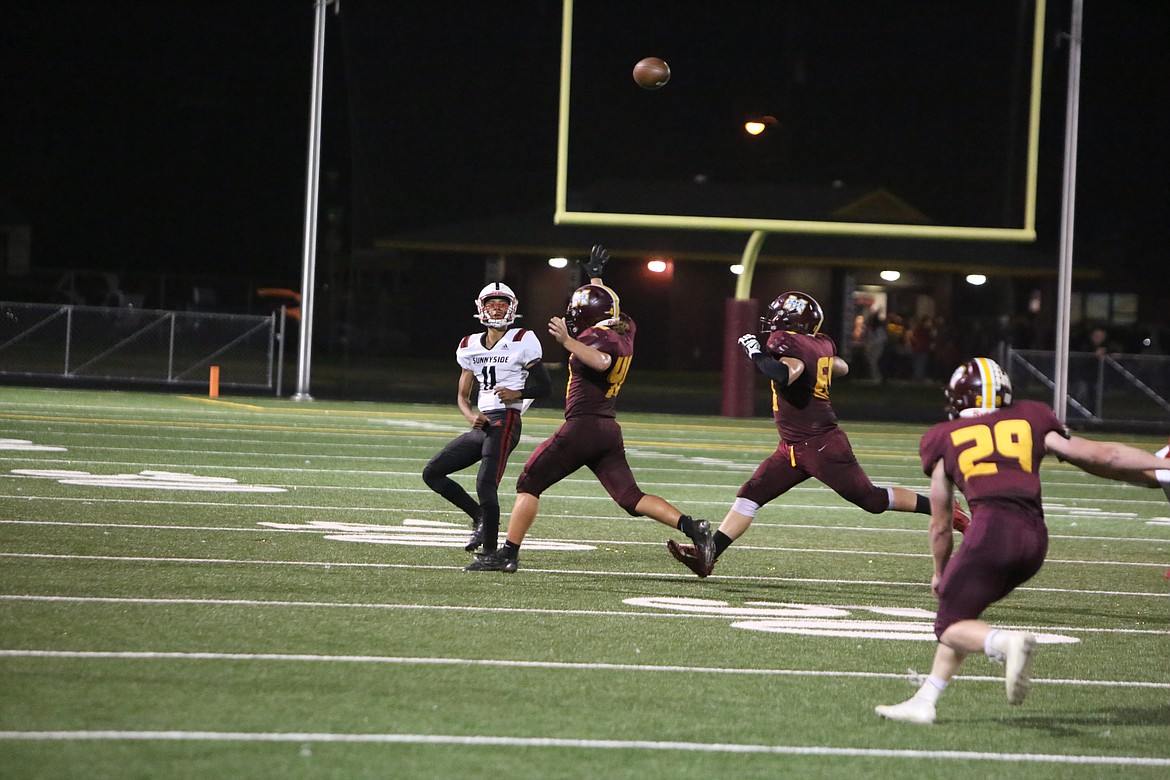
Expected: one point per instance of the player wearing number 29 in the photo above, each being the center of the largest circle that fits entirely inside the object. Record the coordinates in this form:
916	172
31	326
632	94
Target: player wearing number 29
505	362
801	362
991	450
600	339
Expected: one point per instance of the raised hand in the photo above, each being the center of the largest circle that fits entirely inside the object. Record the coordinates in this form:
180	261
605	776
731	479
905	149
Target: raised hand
750	344
594	267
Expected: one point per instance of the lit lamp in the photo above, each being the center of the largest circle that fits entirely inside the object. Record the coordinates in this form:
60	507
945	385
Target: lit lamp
757	125
558	262
890	276
976	279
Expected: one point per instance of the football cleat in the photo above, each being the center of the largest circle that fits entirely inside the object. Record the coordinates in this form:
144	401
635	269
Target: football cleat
704	544
496	560
688	556
961	519
476	540
910	711
1017	649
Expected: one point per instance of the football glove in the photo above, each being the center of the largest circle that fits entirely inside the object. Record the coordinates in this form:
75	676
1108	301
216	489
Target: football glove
595	265
751	345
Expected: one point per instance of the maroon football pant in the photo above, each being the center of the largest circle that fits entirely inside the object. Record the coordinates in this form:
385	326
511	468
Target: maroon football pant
1002	549
595	442
828	458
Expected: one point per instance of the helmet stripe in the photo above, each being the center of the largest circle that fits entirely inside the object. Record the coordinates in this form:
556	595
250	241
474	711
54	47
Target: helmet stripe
987	377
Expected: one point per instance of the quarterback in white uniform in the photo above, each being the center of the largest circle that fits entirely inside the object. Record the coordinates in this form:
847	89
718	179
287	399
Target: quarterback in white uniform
506	364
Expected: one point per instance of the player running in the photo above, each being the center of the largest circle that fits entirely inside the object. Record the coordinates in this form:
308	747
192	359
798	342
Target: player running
600	339
991	450
801	362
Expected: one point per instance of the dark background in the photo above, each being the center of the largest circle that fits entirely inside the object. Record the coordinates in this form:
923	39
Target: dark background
144	136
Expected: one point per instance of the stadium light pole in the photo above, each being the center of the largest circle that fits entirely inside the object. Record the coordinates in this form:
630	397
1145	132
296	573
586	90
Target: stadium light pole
313	177
1067	208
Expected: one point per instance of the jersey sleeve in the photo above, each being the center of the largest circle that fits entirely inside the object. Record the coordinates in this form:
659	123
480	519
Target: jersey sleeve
779	344
603	340
530	348
930	449
463	356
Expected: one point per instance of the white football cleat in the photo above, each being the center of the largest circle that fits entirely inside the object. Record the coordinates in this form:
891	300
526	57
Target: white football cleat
1017	649
912	710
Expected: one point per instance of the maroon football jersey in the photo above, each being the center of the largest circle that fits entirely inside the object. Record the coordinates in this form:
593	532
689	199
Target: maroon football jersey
996	455
802	409
594	393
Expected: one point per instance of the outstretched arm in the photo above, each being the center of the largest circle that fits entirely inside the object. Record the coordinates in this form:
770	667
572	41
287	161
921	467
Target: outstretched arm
1107	459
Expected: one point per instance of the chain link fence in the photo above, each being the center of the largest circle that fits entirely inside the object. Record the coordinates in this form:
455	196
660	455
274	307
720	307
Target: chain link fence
1102	388
124	345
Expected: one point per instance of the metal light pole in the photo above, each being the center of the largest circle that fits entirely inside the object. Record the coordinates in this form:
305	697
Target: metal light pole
1067	208
309	259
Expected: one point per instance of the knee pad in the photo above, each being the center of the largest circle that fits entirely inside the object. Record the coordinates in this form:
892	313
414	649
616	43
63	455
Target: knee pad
746	507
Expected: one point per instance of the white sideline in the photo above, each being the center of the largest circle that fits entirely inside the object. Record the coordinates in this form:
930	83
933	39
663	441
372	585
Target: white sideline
407	660
594	744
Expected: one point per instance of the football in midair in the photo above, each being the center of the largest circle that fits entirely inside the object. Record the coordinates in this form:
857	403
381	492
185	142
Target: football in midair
651	73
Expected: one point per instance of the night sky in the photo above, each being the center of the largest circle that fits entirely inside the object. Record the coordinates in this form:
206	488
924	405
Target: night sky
172	137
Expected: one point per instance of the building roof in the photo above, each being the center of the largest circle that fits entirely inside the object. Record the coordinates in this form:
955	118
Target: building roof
533	232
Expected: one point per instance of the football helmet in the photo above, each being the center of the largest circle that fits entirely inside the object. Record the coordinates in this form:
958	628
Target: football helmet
496	290
592	304
976	387
792	311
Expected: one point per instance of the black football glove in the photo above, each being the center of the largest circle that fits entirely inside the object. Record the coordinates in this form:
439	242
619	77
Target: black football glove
594	267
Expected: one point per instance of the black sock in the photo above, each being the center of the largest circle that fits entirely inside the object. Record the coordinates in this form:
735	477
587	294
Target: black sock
511	549
922	505
686	524
722	542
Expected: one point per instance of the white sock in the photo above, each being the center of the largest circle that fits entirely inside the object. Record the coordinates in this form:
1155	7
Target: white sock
931	690
1163	476
989	646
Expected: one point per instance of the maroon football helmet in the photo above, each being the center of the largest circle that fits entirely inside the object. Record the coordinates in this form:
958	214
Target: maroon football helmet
978	386
591	305
792	311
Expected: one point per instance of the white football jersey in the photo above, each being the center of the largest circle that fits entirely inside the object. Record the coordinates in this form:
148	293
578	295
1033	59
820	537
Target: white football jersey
501	366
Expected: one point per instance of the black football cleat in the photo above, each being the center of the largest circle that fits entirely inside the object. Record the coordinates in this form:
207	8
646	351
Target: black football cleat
497	560
688	556
704	541
476	540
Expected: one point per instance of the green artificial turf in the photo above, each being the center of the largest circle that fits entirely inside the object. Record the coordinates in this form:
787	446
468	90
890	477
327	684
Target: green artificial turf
255	587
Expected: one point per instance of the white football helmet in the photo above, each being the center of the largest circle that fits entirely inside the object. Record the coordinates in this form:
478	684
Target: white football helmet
496	290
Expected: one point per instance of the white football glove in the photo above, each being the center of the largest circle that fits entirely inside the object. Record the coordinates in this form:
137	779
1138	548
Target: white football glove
750	344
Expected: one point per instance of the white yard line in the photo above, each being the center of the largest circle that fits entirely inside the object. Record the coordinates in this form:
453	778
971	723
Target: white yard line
579	572
48	598
134	655
308	738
